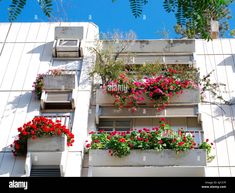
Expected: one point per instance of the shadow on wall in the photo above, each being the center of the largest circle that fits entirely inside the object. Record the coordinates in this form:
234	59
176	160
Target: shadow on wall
45	51
230	134
25	99
225	110
11	165
229	61
85	79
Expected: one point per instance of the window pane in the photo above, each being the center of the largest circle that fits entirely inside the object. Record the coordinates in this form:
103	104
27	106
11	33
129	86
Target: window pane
123	123
106	123
105	129
122	129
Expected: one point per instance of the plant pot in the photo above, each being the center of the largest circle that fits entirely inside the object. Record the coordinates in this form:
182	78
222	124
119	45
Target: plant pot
167	157
59	82
47	144
189	96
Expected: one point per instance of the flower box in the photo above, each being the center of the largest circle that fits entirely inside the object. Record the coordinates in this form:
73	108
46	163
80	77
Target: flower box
189	96
47	144
167	157
59	82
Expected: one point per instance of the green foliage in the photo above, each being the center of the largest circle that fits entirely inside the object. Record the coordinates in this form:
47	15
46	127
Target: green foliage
46	6
194	16
17	6
137	6
208	147
159	138
107	66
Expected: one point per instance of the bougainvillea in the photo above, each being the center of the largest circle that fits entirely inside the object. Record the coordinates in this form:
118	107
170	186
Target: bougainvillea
159	89
39	127
163	137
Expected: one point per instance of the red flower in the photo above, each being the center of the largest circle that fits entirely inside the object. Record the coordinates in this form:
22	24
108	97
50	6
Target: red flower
17	146
207	140
88	145
24	133
163	119
122	140
160	142
181	143
44	127
91	132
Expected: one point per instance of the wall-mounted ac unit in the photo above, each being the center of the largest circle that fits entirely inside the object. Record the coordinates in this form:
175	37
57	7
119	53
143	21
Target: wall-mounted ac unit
67	42
58	100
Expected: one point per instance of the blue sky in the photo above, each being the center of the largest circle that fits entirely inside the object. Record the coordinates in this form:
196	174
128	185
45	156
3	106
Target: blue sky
107	15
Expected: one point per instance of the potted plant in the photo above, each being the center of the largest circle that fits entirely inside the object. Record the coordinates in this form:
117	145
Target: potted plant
158	89
159	146
44	129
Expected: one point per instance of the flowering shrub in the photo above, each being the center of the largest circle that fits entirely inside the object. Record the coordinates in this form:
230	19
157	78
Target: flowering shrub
207	146
39	127
159	138
159	89
38	85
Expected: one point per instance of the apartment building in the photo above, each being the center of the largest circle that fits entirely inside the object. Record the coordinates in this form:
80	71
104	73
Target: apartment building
29	49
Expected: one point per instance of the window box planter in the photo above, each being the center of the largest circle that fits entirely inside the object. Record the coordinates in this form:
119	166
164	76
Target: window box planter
167	157
59	82
189	96
47	144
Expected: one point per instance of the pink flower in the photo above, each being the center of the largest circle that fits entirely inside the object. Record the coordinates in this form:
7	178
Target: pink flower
160	142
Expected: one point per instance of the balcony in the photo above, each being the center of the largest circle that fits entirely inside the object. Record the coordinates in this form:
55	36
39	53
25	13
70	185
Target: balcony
148	163
167	157
189	97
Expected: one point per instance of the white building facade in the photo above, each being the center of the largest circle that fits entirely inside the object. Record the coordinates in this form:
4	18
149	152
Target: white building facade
28	49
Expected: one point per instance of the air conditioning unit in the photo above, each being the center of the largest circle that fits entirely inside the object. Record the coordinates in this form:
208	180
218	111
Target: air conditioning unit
58	100
67	43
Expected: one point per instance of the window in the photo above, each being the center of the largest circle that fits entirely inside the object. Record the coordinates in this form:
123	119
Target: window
109	125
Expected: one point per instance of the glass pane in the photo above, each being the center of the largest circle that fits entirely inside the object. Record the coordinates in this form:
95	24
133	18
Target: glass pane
105	129
123	123
122	129
106	123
